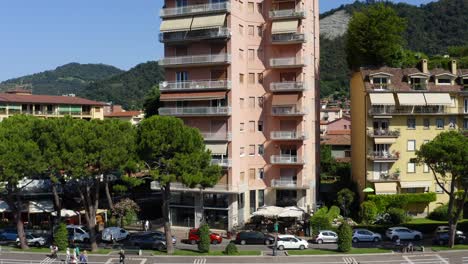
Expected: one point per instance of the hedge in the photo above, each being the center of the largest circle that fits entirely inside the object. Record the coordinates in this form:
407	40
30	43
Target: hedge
383	202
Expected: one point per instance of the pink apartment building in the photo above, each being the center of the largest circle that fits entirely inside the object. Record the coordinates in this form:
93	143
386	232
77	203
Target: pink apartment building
246	74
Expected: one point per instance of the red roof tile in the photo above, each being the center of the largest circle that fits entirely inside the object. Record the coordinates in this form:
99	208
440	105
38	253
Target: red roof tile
124	114
337	140
46	99
339	132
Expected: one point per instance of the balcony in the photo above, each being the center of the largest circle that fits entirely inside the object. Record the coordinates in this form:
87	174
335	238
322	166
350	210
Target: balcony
224	163
195	111
218	188
417	110
287	111
190	86
287	87
291	62
288	38
286	160
224	7
383	156
385	177
377	133
381	87
287	13
419	86
287	135
285	184
216	136
198	60
195	35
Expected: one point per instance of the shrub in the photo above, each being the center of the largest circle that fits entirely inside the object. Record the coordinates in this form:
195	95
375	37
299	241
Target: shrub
368	212
440	213
319	222
130	217
345	237
231	249
61	236
322	211
398	216
204	245
333	212
384	202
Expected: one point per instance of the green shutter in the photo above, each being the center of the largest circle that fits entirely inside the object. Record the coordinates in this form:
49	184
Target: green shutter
14	107
75	108
64	108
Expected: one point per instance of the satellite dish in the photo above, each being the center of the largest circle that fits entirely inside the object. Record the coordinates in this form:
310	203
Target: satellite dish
164	84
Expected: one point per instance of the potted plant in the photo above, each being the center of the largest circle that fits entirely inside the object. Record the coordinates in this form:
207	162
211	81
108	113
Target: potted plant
397	173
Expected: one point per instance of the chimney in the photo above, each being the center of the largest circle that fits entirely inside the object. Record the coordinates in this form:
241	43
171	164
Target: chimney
453	67
424	67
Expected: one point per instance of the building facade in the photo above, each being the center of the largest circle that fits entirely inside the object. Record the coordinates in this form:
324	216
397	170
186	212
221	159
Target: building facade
394	111
47	106
134	117
245	72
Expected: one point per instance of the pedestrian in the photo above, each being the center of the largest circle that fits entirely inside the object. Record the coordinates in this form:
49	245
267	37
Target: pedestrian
84	257
67	259
122	257
53	251
77	252
73	260
146	225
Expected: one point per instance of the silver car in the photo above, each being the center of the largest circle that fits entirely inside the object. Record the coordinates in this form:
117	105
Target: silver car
361	235
326	236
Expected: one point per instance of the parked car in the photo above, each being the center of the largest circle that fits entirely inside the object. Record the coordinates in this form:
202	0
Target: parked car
326	236
447	229
291	242
115	233
78	233
9	235
150	240
253	237
442	238
194	237
361	235
403	233
33	240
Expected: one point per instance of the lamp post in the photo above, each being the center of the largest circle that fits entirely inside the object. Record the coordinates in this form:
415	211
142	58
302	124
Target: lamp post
275	244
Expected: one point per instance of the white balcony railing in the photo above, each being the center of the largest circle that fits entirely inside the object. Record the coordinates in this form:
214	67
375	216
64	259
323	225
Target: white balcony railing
285	159
283	183
195	111
195	85
287	13
196	9
198	59
287	111
287	62
216	136
193	35
177	186
285	38
287	135
225	163
287	86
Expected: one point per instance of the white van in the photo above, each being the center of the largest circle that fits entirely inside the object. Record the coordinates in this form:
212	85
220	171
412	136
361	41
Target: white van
78	233
115	233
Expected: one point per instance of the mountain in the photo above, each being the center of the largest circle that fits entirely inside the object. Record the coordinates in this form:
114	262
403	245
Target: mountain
432	29
71	78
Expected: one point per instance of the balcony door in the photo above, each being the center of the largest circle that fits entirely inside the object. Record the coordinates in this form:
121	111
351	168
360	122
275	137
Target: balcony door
288	76
181	3
218	49
380	125
219	103
181	51
379	169
285	5
289	151
218	127
218	75
288	175
288	125
382	149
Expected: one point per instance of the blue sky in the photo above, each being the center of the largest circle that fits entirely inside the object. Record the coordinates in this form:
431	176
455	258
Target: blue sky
38	35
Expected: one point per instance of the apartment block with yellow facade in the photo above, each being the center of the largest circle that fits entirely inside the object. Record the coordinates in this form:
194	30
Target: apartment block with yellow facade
394	111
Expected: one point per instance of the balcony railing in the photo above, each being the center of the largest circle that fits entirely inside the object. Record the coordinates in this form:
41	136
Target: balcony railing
287	86
384	133
287	13
196	9
419	86
284	183
287	111
194	35
195	85
287	62
287	135
382	87
286	159
177	186
385	177
224	163
288	38
195	111
383	156
209	59
216	136
409	110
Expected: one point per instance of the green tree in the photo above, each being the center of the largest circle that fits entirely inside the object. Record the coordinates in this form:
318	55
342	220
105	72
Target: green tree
204	244
123	207
20	158
172	153
61	236
152	103
368	212
447	157
345	237
375	37
327	161
345	199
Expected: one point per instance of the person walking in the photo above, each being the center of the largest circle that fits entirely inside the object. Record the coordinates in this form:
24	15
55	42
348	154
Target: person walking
84	257
67	258
122	257
146	225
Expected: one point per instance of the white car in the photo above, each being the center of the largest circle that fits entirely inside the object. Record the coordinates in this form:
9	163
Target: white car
114	233
291	242
33	240
78	233
326	236
403	233
447	229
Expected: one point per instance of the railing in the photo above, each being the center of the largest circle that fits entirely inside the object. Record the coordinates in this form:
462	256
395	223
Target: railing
419	86
390	177
195	111
288	38
287	62
382	155
287	86
180	186
286	111
384	133
195	85
285	159
382	86
195	9
409	110
287	13
225	163
287	135
213	33
216	136
284	183
198	59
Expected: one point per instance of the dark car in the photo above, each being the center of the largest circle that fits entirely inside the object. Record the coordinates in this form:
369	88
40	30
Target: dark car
253	237
8	235
194	237
442	238
153	240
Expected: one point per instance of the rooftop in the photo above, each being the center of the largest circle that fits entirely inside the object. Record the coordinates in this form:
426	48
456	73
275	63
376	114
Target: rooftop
337	140
19	96
124	114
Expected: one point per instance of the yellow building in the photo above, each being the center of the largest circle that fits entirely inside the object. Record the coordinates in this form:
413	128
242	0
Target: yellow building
394	111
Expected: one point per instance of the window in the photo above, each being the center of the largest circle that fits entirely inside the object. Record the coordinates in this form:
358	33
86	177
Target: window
251	54
241	78
181	76
444	81
241	200
241	127
411	123
260	78
380	83
242	176
465	105
411	145
251	150
465	124
261	198
261	173
411	167
252	201
241	30
440	123
426	123
251	31
241	54
260	8
452	101
439	189
181	3
251	102
260	126
452	123
250	6
251	80
260	101
242	151
252	174
260	31
261	149
425	168
251	126
241	102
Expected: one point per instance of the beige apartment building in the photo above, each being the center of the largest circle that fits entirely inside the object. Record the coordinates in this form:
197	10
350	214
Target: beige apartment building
245	72
394	111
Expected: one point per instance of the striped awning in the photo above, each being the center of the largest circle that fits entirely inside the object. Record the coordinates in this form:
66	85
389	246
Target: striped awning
411	99
284	26
176	24
217	149
384	140
210	21
438	99
386	188
416	184
382	99
198	96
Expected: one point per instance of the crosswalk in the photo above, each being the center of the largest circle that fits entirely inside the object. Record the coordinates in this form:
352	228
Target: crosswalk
465	260
200	261
426	259
48	260
350	260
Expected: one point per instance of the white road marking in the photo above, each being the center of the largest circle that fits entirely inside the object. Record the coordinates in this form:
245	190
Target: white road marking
47	260
408	260
199	261
442	260
349	260
142	260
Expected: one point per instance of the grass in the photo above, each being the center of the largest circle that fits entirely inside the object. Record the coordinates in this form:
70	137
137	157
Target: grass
333	252
186	252
422	221
456	247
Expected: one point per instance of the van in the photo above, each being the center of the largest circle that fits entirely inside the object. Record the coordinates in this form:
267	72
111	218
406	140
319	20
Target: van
78	233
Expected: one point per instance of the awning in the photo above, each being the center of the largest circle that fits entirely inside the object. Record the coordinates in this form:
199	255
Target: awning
386	188
44	206
438	99
384	140
65	213
176	24
285	99
416	184
4	207
210	21
284	26
382	99
217	149
411	99
199	96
